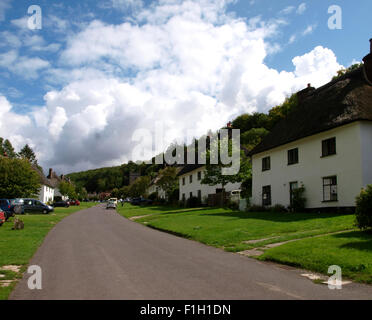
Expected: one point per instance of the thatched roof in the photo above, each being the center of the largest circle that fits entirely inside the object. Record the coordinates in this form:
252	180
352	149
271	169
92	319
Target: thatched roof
339	102
43	178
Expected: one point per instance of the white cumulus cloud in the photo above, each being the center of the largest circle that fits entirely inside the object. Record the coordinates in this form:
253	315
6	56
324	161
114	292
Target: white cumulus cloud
188	65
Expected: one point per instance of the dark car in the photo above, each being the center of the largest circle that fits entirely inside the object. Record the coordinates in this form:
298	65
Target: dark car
140	201
61	203
36	206
6	207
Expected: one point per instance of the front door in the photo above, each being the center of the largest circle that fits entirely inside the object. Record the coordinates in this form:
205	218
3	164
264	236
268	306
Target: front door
292	186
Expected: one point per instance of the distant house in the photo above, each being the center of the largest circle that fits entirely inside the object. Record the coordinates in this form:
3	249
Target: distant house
324	145
46	193
55	180
153	188
190	178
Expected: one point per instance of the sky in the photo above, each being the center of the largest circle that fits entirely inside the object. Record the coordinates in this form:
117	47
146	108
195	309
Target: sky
78	87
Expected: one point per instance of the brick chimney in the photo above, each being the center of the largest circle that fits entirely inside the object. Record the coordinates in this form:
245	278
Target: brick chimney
368	62
50	173
303	94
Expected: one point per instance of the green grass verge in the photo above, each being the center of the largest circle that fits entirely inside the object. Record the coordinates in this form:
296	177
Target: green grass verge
352	251
230	229
18	247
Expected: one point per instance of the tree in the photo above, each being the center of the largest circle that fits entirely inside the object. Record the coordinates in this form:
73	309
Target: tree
168	180
139	186
253	137
1	146
67	189
363	210
342	71
18	179
214	172
9	150
28	154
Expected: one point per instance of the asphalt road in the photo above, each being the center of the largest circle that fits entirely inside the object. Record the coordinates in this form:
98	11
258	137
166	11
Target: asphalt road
97	254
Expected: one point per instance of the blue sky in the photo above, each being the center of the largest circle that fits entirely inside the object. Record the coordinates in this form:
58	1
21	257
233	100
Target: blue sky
99	70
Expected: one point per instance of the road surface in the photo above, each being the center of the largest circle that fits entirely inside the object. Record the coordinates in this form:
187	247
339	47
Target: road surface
97	254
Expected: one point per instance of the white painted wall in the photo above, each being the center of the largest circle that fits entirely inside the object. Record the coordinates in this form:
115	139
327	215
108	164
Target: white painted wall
196	185
46	194
346	164
366	142
154	188
57	193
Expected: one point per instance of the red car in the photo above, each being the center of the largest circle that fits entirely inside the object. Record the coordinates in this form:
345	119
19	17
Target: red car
2	217
74	203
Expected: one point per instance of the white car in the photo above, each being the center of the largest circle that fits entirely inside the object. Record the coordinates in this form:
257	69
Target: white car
111	205
113	200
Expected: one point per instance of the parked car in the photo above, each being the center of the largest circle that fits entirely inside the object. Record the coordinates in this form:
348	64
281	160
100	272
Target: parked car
140	201
61	203
16	206
2	217
111	205
36	206
6	207
74	203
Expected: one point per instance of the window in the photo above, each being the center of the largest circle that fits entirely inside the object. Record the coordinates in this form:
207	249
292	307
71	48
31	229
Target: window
328	147
292	156
183	197
199	194
190	194
183	181
190	179
199	175
265	163
266	196
330	189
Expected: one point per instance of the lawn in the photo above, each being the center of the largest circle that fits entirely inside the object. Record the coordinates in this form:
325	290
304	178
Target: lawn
230	230
352	251
18	247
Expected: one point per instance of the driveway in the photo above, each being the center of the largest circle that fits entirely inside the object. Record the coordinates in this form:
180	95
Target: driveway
97	254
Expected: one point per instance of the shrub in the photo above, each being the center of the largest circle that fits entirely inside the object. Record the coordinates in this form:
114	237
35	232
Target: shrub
193	202
363	210
256	208
232	205
278	208
153	196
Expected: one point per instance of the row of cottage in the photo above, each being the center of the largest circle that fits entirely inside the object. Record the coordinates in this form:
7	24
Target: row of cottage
325	146
49	185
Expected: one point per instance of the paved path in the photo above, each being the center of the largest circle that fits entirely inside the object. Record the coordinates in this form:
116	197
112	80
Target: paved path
97	254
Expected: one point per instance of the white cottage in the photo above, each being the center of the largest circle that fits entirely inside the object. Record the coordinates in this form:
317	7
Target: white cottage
325	145
154	188
46	192
190	184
